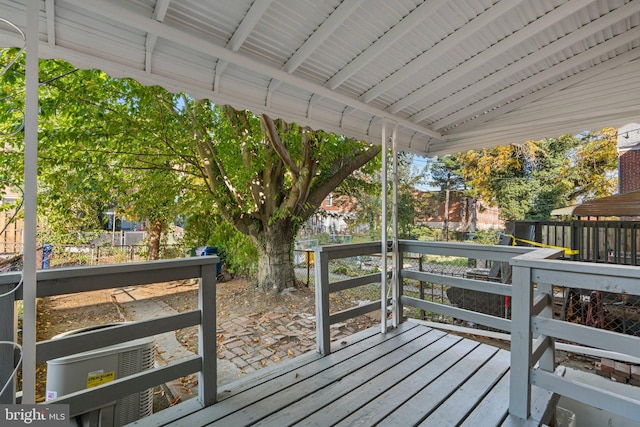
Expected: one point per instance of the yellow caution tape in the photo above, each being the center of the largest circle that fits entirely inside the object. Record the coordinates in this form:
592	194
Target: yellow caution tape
567	251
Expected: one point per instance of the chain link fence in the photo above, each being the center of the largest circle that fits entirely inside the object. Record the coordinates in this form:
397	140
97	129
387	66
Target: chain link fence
75	255
604	310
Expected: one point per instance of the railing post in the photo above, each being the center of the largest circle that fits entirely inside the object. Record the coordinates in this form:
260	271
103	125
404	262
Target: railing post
422	312
520	386
547	361
398	284
207	339
7	352
321	261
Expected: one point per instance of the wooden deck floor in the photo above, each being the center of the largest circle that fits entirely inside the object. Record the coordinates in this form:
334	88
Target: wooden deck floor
414	375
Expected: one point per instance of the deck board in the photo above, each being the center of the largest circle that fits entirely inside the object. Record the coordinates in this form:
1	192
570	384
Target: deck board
422	403
458	405
493	408
372	388
310	380
385	369
393	398
413	375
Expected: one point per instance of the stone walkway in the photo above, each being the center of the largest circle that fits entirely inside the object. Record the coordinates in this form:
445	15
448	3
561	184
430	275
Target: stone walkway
254	341
245	344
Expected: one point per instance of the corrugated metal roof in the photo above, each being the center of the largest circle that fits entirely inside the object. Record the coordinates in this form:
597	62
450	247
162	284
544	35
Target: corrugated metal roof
453	74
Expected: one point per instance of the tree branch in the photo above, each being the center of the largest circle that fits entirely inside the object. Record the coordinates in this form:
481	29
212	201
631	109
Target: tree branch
277	144
319	194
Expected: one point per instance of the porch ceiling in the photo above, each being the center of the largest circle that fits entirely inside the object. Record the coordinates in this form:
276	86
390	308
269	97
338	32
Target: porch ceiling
453	74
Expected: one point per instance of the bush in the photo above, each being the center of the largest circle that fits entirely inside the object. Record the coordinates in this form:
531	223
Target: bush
240	256
486	237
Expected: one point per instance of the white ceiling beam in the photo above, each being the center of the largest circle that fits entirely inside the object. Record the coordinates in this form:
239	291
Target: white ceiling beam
417	16
328	26
50	10
120	71
460	98
523	86
440	49
486	56
337	17
251	19
112	10
159	12
549	90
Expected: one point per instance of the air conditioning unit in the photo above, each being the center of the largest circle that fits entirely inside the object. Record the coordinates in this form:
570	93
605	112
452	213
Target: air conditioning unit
92	368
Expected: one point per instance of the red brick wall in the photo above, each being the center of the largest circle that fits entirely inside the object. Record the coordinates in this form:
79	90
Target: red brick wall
629	171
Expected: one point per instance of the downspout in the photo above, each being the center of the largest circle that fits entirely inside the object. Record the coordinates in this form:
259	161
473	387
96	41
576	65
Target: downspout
30	191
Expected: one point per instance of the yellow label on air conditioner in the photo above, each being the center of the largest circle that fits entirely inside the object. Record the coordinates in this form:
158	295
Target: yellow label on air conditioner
94	380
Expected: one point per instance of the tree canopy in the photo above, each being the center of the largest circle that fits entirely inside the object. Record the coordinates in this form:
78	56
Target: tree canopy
529	180
105	141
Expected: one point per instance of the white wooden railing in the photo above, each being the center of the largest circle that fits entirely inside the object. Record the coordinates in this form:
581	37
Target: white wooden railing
534	331
492	253
81	279
532	327
324	287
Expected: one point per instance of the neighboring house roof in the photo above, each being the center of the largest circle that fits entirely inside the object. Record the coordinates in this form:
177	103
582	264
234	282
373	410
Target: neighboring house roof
627	204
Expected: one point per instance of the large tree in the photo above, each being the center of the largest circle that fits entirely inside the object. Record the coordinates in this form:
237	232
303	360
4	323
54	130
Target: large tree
267	177
528	181
156	152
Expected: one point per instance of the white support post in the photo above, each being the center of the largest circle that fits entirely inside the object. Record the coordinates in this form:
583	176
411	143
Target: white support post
383	252
395	259
522	303
30	191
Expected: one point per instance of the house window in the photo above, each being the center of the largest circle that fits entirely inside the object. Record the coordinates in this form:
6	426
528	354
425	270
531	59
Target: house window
329	200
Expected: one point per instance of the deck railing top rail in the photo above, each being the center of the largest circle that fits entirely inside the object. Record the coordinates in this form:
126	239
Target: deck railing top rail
81	279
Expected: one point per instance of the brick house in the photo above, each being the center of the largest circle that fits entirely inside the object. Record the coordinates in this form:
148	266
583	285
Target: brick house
466	214
629	158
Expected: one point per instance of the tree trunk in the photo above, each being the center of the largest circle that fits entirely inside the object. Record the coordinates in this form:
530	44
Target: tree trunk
473	224
445	222
155	233
275	269
465	216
